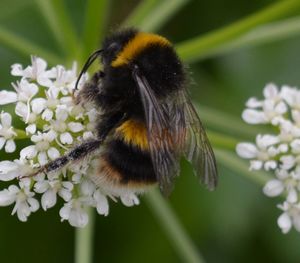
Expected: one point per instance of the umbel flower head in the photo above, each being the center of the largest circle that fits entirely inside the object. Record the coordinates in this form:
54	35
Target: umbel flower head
278	152
53	125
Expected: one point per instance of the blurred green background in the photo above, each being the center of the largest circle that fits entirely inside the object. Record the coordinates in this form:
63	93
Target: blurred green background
235	223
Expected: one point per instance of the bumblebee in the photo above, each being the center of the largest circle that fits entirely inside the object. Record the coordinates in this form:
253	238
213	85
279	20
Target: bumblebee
147	119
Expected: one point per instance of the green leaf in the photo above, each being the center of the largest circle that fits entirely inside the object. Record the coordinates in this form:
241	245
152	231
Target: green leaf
95	22
197	48
275	31
228	124
25	47
56	15
137	16
222	141
152	15
11	7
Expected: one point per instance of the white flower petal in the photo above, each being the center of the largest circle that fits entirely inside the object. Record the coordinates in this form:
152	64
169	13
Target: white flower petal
51	135
44	80
296	221
16	70
281	108
28	152
87	187
47	115
2	142
270	91
31	129
49	199
65	211
6	119
41	187
8	170
7	197
38	105
287	162
246	150
292	196
284	222
65	194
22	110
295	144
34	204
7	97
255	165
10	146
53	153
42	158
66	138
264	141
101	203
254	103
288	94
270	165
253	116
273	188
78	218
129	200
75	126
296	116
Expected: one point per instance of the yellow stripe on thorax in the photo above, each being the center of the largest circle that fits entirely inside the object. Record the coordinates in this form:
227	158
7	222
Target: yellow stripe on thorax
136	45
134	132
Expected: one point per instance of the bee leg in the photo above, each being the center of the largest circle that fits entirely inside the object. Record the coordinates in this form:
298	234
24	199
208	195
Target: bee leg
91	89
76	154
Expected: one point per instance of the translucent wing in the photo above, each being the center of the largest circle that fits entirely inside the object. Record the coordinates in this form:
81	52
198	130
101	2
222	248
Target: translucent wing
197	147
163	148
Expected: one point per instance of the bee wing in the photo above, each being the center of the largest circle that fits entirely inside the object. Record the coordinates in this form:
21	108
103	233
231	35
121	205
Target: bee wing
197	146
161	140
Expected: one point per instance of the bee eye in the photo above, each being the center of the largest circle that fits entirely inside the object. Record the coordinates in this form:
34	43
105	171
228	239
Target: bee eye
113	47
110	52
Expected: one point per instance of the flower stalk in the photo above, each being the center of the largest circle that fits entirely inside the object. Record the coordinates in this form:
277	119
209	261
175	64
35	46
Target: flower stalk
172	228
84	238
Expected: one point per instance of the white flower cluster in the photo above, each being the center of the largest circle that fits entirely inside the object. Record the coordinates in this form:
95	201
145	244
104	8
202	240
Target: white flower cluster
53	124
278	152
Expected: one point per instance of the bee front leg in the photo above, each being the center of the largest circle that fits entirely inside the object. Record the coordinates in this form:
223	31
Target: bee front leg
91	89
77	153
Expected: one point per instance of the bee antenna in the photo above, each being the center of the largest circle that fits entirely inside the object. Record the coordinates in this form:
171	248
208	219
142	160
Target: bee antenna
87	64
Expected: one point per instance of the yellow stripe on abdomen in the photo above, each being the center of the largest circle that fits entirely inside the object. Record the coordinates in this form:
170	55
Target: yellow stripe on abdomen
134	132
134	47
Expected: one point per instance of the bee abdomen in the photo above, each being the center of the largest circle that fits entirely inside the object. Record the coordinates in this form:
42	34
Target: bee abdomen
133	165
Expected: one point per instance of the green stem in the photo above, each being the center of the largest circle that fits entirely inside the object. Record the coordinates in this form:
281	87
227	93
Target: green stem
95	21
25	47
84	240
172	227
195	49
20	134
241	167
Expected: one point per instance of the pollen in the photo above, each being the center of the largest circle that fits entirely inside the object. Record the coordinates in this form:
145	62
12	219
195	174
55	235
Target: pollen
134	47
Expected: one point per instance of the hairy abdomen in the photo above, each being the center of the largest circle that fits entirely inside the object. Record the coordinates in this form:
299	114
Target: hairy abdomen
126	162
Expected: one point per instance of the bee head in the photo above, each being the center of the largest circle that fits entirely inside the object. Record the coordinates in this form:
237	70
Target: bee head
114	44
